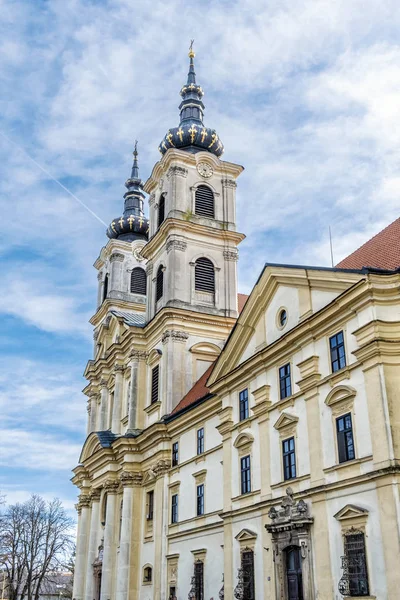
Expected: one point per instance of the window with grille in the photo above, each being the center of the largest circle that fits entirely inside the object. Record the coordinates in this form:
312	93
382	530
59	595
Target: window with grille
204	201
105	288
204	276
244	405
200	440
174	508
175	454
245	475
160	283
138	281
200	500
344	430
150	505
199	580
354	564
155	373
338	353
289	459
248	575
285	384
161	210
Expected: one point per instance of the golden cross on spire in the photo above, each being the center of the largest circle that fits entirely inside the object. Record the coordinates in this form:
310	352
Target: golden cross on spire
121	222
203	134
131	219
169	138
180	133
191	51
192	132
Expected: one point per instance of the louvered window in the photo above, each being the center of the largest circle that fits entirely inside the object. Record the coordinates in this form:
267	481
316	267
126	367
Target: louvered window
204	276
138	281
160	283
204	201
154	383
161	210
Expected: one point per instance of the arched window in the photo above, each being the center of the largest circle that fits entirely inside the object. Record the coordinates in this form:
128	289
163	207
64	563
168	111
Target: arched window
104	510
105	288
138	281
161	210
204	276
204	201
160	283
147	574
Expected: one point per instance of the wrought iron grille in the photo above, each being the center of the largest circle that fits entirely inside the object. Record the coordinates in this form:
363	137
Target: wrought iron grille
199	580
354	581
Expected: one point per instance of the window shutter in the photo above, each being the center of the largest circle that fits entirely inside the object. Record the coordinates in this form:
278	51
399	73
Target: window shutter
161	210
138	281
159	283
204	201
204	276
154	384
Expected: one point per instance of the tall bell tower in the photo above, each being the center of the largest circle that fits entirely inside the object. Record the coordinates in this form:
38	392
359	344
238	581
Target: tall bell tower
192	248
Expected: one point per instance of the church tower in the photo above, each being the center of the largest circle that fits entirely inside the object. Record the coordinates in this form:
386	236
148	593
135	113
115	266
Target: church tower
192	248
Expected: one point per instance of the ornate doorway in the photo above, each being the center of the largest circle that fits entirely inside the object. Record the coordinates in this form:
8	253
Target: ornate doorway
294	574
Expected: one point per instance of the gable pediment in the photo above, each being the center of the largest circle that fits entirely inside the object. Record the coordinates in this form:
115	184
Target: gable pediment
351	511
285	421
246	535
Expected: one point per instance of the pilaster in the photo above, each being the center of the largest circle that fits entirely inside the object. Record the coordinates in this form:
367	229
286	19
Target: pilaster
93	543
81	546
118	389
111	488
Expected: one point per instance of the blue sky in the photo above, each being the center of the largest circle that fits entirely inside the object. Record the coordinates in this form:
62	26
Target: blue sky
305	94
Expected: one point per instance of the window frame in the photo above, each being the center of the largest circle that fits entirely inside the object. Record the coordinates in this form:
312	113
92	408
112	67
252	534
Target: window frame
249	592
205	213
155	387
175	454
340	360
140	293
356	592
286	458
200	500
199	579
244	412
245	474
285	376
150	506
200	441
161	213
174	508
343	446
159	283
203	268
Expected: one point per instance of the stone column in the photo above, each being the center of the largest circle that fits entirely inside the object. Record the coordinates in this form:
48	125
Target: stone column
81	546
103	425
118	389
111	488
93	412
136	356
128	481
93	544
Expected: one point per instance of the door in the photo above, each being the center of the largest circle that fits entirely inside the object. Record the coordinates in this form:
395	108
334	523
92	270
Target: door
293	573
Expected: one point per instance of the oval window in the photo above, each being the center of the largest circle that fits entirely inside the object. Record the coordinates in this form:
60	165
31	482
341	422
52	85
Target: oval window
282	319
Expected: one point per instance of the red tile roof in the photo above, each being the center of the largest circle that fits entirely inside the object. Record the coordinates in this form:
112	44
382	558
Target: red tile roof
199	390
241	301
382	251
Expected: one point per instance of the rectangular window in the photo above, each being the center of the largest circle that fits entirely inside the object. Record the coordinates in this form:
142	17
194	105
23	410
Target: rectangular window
243	405
150	505
154	383
175	454
174	508
289	459
355	556
248	575
344	430
200	440
245	475
199	580
200	500
285	384
338	354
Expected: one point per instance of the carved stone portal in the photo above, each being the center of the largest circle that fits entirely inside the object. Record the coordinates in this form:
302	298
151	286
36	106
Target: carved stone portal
290	528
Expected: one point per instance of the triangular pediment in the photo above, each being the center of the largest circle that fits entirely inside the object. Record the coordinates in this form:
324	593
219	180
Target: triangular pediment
300	291
285	420
350	511
245	535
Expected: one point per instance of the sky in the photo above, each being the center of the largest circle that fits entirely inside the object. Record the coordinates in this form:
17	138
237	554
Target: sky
305	94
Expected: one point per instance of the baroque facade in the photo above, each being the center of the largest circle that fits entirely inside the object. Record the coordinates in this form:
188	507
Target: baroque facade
235	452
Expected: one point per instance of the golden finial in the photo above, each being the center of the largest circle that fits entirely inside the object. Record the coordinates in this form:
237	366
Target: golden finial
191	51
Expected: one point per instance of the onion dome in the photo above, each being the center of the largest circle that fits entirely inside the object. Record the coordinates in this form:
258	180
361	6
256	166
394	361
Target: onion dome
133	225
191	134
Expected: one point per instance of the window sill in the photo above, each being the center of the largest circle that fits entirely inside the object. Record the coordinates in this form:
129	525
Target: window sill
244	423
246	495
289	482
152	407
337	376
359	597
348	463
200	458
147	583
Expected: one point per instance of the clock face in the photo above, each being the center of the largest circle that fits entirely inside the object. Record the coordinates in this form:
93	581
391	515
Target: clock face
204	169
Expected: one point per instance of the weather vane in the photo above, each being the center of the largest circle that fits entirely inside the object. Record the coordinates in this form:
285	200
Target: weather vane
135	150
191	51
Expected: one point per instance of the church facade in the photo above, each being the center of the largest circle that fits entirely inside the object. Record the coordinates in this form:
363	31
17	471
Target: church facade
235	451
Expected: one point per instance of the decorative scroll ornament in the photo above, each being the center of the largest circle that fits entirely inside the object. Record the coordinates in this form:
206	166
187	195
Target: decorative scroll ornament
221	594
192	592
290	510
231	255
176	336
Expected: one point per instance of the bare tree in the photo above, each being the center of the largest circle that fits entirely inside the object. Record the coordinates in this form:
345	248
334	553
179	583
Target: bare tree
35	543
